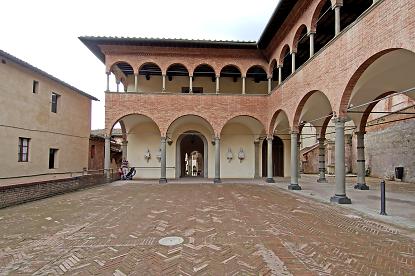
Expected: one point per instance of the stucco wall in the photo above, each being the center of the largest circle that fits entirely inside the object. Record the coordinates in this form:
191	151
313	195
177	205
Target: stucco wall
27	114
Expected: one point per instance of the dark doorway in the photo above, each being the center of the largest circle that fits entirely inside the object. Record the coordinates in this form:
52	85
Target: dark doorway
277	157
52	158
192	156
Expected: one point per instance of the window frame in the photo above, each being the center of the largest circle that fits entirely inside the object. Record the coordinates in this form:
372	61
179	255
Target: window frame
55	158
54	104
35	87
20	152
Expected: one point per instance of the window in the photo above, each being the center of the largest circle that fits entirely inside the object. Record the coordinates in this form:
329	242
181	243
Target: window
23	153
52	158
55	98
35	88
92	151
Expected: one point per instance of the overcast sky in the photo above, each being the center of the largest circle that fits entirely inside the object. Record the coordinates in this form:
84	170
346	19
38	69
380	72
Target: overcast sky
45	32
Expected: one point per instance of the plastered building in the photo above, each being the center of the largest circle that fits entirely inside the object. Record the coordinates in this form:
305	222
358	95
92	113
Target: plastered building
243	105
44	122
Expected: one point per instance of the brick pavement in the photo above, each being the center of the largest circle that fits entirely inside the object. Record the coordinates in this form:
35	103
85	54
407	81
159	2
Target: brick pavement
229	229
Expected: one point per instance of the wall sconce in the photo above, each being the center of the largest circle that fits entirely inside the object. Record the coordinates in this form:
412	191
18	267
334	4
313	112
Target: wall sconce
147	76
170	78
169	141
229	155
147	155
241	155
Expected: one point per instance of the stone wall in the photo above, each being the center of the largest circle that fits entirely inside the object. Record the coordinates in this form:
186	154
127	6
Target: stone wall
392	147
21	193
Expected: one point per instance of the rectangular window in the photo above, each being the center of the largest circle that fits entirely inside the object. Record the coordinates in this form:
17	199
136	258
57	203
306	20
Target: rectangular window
23	153
35	88
52	158
55	98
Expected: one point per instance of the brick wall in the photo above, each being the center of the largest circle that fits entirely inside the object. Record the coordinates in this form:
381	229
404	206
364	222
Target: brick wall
21	193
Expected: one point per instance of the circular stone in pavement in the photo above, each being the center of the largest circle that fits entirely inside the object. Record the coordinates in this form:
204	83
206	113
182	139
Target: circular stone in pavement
170	241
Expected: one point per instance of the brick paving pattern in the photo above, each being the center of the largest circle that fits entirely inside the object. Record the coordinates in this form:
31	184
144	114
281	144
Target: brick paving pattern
229	229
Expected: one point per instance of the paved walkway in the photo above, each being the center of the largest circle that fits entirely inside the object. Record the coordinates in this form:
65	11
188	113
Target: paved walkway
228	229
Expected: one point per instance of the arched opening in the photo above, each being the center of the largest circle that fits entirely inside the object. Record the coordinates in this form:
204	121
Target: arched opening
230	80
204	79
142	147
177	79
286	62
325	22
191	149
386	124
274	70
123	73
256	80
281	129
277	157
303	47
149	78
351	10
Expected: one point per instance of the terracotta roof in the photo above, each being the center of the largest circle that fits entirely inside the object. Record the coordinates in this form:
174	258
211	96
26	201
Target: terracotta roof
43	73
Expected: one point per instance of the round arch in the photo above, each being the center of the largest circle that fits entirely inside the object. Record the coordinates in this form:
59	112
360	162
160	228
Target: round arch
298	36
125	116
286	50
204	69
179	157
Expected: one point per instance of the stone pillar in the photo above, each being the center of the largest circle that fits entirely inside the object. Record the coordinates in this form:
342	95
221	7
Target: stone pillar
118	85
361	168
292	62
243	85
107	156
108	81
163	178
124	150
321	160
163	88
312	35
270	178
279	74
269	85
136	82
340	173
217	84
337	19
256	145
294	162
217	160
190	84
299	167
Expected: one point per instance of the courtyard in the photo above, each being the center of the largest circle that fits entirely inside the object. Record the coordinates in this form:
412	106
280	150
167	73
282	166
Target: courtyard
227	229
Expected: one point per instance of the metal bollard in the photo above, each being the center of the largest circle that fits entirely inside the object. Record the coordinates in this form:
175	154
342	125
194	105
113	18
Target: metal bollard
382	198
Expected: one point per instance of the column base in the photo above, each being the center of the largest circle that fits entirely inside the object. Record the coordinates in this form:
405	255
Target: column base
322	180
294	187
360	186
270	180
162	180
217	180
340	199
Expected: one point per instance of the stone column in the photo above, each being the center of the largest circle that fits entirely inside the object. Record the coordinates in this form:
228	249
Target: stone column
294	162
340	173
256	145
299	156
136	82
118	85
361	168
107	156
292	62
163	178
270	178
321	160
217	160
163	88
312	35
279	74
217	84
124	150
190	84
269	85
108	81
337	19
243	85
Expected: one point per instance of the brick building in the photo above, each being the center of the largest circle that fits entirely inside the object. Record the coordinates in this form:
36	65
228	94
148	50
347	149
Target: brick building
44	122
242	107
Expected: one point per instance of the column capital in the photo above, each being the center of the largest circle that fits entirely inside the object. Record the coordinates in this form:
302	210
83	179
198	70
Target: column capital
218	76
338	4
124	142
293	52
108	73
294	132
256	141
280	66
270	137
340	120
360	132
312	32
321	139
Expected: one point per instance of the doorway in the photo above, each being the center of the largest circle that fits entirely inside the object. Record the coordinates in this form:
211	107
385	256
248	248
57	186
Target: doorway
191	155
277	157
